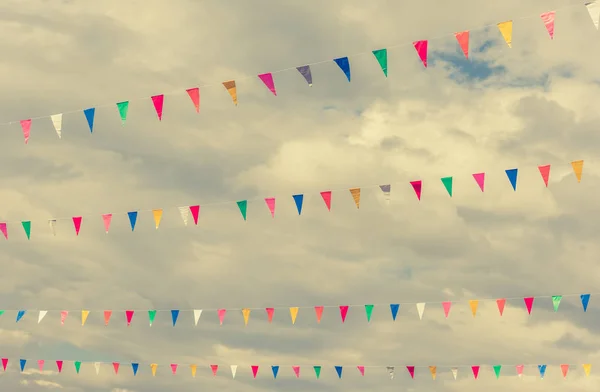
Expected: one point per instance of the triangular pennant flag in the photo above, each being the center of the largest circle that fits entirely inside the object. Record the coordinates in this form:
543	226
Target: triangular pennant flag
274	369
501	302
134	367
519	369
343	312
151	316
339	370
116	367
84	316
78	366
433	371
185	213
463	41
317	370
57	123
298	199
132	219
548	19
4	363
267	79
232	90
107	314
271	205
59	366
446	305
233	370
545	172
497	369
23	362
174	368
421	309
255	370
157	216
194	94
129	316
296	370
556	301
594	11
506	31
386	189
153	366
63	316
89	116
4	229
174	316
326	195
214	369
382	59
454	373
512	177
20	315
26	127
421	48
447	181
305	71
41	365
123	108
106	218
411	371
41	315
194	368
246	314
319	313
473	304
528	303
344	65
221	313
157	101
577	169
480	179
587	368
369	312
361	369
564	368
355	192
77	224
270	312
585	300
394	309
542	369
293	314
390	370
27	228
475	370
97	367
417	186
197	314
243	206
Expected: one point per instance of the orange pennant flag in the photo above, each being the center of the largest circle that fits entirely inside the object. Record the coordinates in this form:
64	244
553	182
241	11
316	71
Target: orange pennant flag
84	316
433	370
319	313
246	314
578	169
157	216
193	368
463	41
355	192
473	304
587	368
294	314
153	366
231	89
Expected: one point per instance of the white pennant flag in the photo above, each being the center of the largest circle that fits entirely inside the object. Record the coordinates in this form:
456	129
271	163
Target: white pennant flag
185	213
454	372
52	223
594	11
197	314
421	309
391	370
233	370
41	316
97	366
57	122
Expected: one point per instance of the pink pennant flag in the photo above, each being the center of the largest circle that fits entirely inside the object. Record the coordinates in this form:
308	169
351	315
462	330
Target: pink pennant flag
194	94
267	79
520	370
174	368
528	303
421	47
41	365
158	101
501	302
326	195
214	369
195	210
254	370
77	224
548	19
475	370
59	365
545	172
4	363
297	371
116	367
417	186
343	312
271	204
361	369
319	313
565	370
106	218
463	41
63	316
480	179
270	312
447	305
411	371
26	127
4	229
221	313
129	316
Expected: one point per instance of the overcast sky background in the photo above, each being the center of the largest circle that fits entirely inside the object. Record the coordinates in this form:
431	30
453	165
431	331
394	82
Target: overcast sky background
530	105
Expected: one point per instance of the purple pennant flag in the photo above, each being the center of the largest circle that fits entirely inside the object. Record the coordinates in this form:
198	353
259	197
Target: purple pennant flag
305	71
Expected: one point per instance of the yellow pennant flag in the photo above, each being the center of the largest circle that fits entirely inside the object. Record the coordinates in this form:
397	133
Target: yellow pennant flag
294	314
231	89
157	215
433	370
193	367
355	192
84	316
587	368
506	31
153	366
473	304
578	169
246	314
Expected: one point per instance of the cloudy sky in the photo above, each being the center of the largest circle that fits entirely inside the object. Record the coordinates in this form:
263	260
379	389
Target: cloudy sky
504	108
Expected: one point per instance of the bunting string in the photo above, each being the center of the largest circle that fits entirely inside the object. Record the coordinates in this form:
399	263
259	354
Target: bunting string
270	202
505	29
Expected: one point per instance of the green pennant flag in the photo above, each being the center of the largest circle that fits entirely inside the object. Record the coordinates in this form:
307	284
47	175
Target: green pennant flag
123	108
447	181
497	370
2	312
77	366
381	56
151	316
369	311
317	371
27	228
556	301
243	206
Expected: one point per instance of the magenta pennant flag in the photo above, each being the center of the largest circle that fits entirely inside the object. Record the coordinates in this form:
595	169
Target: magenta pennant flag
296	371
221	313
361	369
195	210
116	367
59	365
528	303
411	371
548	19
194	94
417	186
4	363
326	195
475	370
41	365
421	47
107	218
446	305
267	79
26	127
77	224
158	101
343	312
4	229
545	173
129	316
214	369
254	370
271	204
480	180
174	368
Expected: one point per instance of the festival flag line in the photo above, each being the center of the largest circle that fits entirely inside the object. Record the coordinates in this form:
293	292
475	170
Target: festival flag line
80	221
318	311
381	55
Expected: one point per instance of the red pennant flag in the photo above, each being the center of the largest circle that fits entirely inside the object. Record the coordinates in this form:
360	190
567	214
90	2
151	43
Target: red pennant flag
501	302
545	172
41	364
214	369
254	370
267	79
271	205
4	363
59	365
343	312
319	313
106	218
421	48
417	186
129	316
528	303
116	367
446	305
565	370
463	41
158	101
26	127
411	371
326	195
270	312
475	371
296	370
107	314
77	224
548	19
194	94
195	210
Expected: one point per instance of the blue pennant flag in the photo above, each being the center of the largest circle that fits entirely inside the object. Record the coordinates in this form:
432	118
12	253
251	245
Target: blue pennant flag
134	367
23	362
338	369
20	315
512	177
132	218
298	199
542	369
585	300
275	370
394	309
89	116
344	65
174	315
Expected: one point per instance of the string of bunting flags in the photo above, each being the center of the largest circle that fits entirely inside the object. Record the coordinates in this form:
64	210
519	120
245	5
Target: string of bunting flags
381	55
194	210
434	371
319	310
